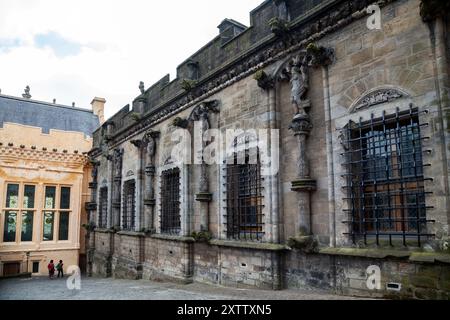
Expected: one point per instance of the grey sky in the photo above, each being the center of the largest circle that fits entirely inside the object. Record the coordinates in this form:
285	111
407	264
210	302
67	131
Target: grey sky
75	50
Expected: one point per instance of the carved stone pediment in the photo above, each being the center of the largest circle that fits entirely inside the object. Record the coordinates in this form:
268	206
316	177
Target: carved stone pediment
376	97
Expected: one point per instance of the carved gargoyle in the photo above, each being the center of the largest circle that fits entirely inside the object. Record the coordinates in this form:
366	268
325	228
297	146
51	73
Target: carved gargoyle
319	56
264	81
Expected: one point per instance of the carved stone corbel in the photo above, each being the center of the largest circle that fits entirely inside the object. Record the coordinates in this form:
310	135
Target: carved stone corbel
265	81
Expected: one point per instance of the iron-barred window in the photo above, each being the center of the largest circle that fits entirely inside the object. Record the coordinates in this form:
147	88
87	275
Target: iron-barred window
129	206
103	208
170	201
386	179
244	198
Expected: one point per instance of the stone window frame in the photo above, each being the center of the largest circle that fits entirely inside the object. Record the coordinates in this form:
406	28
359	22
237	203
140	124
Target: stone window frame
185	209
103	206
343	237
177	215
124	216
268	203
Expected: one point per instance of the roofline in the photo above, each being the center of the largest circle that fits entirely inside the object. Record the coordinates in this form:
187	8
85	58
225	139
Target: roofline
46	103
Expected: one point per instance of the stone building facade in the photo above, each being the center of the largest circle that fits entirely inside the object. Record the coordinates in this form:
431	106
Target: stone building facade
356	200
44	177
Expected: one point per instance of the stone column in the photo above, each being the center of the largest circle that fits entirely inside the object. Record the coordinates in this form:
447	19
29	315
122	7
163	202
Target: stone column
117	185
304	185
91	209
204	197
139	144
150	171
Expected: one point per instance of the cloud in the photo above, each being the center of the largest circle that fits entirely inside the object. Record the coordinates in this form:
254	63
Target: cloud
60	46
7	44
75	50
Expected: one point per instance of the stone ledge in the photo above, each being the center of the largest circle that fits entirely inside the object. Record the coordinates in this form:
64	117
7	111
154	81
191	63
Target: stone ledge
131	233
430	257
248	245
100	230
172	238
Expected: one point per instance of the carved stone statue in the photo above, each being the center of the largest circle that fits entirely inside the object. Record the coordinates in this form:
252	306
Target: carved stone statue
118	162
27	94
94	172
151	148
149	141
300	85
142	87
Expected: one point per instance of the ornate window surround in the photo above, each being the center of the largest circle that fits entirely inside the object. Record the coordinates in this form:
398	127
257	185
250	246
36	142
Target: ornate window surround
389	106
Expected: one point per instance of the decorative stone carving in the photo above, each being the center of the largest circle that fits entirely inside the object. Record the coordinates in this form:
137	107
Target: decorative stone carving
179	122
150	142
343	14
141	87
299	78
117	159
94	173
301	125
378	97
319	56
27	94
279	27
265	81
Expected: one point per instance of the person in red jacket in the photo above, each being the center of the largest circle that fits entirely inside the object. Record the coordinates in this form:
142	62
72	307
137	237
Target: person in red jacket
51	269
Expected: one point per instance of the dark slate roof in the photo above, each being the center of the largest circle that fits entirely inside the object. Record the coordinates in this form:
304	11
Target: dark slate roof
47	116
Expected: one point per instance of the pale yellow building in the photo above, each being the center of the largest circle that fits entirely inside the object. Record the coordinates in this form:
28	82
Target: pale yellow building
44	176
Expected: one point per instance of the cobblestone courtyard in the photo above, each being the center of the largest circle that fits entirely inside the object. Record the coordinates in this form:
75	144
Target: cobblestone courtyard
111	289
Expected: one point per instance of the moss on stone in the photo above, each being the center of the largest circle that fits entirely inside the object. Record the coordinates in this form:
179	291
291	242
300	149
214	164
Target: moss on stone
202	236
248	245
307	244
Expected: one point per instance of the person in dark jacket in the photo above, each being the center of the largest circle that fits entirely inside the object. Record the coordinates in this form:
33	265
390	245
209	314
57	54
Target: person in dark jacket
59	267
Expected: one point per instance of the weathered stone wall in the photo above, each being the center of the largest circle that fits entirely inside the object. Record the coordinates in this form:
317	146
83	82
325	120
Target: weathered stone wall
101	262
347	274
168	259
401	56
126	260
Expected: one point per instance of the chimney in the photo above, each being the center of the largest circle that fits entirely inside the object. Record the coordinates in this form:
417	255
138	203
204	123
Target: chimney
98	107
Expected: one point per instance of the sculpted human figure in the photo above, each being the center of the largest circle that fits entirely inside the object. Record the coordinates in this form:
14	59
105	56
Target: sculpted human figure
299	83
117	162
151	148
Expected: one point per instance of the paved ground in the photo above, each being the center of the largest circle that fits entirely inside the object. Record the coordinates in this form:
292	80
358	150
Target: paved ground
111	289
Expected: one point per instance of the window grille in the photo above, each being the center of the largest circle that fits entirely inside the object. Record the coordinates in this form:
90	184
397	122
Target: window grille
170	201
385	179
128	217
244	216
103	208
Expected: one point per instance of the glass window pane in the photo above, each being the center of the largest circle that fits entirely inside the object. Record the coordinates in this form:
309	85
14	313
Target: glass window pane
50	196
28	197
12	196
9	232
49	220
65	198
27	226
64	226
